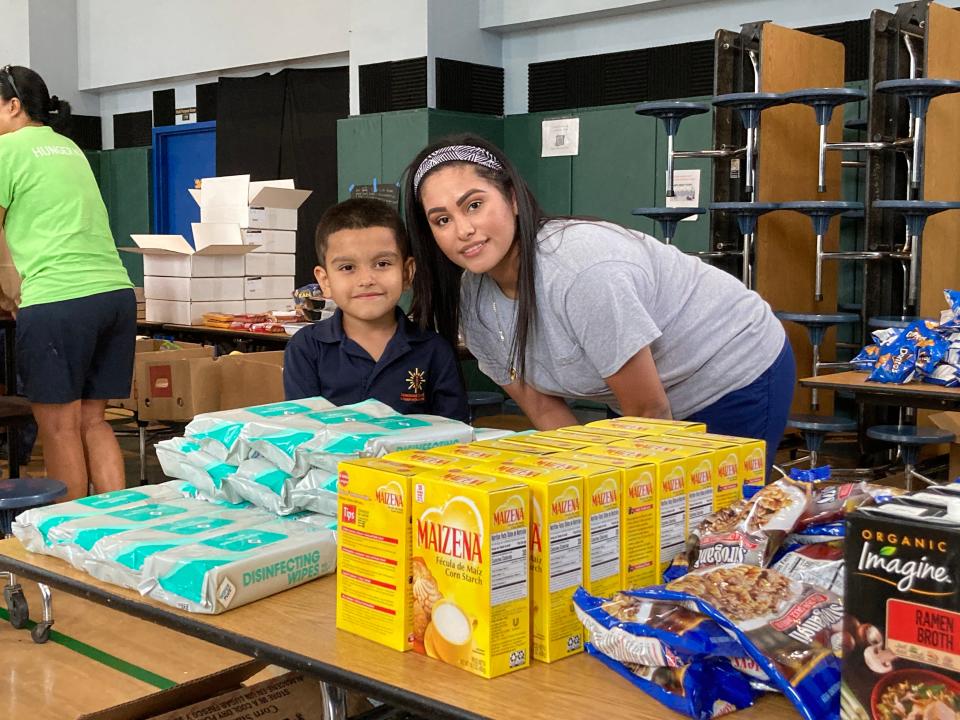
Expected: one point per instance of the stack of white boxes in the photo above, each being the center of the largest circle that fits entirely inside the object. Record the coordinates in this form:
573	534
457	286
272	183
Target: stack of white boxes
239	219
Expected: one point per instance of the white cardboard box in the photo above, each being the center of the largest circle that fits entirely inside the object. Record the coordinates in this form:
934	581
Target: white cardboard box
259	264
268	287
271	241
193	288
217	251
266	305
189	313
267	205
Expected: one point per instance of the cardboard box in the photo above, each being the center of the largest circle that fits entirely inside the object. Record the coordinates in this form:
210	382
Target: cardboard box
266	205
271	241
287	697
190	313
195	289
642	423
260	288
256	264
217	251
145	348
176	385
268	305
250	379
950	421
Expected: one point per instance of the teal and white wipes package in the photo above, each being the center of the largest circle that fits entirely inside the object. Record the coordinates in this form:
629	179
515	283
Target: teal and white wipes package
316	493
118	558
185	459
33	526
261	483
218	432
239	567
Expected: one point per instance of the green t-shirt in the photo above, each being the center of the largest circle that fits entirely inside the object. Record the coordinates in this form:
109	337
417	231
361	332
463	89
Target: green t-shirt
56	223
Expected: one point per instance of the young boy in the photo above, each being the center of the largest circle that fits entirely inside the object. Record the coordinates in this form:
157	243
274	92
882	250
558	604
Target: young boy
369	349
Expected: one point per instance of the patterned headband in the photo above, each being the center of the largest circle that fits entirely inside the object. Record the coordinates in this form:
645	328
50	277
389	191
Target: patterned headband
454	153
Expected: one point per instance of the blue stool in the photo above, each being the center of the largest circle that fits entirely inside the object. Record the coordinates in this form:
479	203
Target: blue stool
482	402
17	495
747	214
668	218
814	428
671	113
909	439
821	212
748	106
817	325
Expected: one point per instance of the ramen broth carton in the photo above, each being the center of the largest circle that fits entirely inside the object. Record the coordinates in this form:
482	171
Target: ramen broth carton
470	565
556	551
901	631
374	591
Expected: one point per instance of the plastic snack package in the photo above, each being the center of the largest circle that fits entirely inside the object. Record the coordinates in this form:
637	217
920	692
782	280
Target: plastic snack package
184	459
632	628
238	567
703	689
866	359
785	626
119	558
33	526
820	564
896	364
944	375
930	345
316	493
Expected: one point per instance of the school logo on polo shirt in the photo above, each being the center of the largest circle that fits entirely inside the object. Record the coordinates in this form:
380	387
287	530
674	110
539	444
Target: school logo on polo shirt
416	382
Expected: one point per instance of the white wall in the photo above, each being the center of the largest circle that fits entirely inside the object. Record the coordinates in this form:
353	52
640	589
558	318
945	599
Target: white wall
665	24
510	14
53	52
454	33
15	45
382	31
124	42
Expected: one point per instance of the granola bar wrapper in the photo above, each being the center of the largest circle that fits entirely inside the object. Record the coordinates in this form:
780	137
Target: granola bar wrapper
703	689
636	630
785	626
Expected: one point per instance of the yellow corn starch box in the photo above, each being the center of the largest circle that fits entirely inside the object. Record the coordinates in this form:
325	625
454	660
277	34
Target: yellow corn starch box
548	444
639	507
751	452
374	592
472	453
596	436
727	475
514	445
557	440
556	553
428	460
642	423
471	604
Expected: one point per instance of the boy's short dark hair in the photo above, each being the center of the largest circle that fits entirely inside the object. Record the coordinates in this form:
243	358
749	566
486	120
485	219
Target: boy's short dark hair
360	214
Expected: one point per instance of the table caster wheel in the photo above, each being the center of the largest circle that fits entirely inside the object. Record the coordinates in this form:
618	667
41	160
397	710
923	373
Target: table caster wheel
16	606
41	632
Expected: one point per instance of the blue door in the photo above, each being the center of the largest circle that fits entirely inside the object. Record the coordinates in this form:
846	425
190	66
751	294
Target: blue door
182	154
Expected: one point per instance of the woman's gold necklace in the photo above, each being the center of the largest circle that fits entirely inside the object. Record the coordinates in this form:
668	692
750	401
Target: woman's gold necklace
503	339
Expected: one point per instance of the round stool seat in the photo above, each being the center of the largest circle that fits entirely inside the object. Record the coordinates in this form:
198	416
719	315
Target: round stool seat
748	104
859	124
893	321
910	435
17	494
850	307
918	91
818	323
824	100
916	212
821	423
821	212
668	217
746	213
671	112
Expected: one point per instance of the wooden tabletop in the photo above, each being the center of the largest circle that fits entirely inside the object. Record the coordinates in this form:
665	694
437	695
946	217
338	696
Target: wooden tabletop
296	629
914	394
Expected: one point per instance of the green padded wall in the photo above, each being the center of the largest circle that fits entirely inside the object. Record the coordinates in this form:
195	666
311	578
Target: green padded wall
125	184
549	178
359	148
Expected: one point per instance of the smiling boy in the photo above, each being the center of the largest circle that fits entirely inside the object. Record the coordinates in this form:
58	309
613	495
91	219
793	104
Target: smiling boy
369	349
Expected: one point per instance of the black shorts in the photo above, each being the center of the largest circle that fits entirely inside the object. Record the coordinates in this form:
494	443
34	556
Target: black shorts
78	349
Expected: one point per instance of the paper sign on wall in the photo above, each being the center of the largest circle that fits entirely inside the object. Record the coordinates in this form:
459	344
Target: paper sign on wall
561	137
686	191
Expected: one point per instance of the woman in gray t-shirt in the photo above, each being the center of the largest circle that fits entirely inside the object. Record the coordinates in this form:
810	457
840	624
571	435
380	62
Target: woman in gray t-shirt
559	308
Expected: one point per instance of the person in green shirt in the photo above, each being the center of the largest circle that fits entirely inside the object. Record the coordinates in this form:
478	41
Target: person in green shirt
76	324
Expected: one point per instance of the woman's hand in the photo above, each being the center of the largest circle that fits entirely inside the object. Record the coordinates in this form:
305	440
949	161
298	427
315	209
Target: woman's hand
638	388
546	412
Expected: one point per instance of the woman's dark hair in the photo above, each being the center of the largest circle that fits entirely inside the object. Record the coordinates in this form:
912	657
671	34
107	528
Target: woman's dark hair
436	284
29	88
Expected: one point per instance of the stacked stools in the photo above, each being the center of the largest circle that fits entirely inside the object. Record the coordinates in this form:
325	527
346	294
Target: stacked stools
17	495
814	428
909	439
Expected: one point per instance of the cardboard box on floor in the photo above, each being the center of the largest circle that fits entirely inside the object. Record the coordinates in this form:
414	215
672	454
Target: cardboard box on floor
950	421
222	695
250	379
144	348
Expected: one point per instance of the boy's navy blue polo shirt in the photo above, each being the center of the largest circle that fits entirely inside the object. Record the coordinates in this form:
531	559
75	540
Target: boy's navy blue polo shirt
417	373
